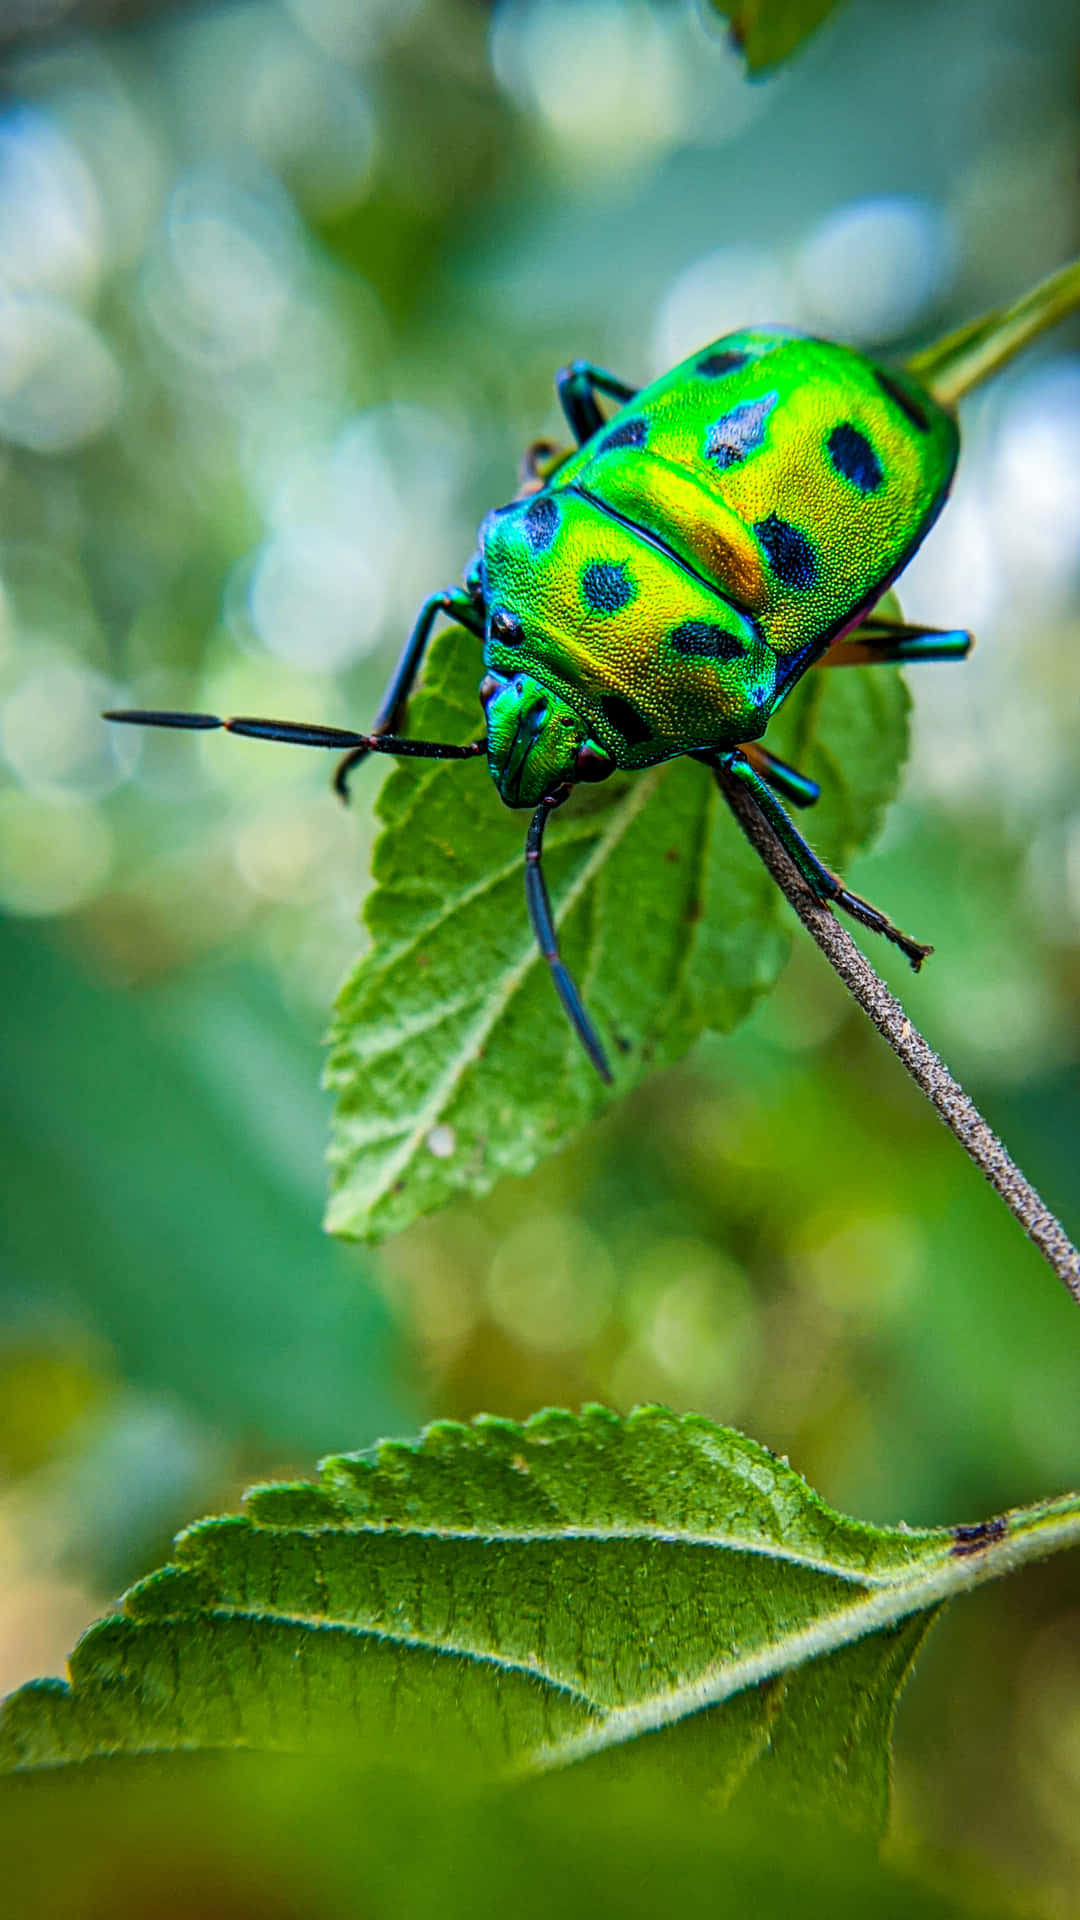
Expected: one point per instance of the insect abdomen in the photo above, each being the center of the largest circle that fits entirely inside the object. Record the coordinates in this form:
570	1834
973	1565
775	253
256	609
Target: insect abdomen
796	474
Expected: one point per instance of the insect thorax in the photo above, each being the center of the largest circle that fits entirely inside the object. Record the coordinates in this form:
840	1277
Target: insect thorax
651	660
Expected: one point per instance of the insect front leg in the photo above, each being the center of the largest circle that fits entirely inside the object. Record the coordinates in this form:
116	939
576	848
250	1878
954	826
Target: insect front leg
577	387
547	938
457	605
822	883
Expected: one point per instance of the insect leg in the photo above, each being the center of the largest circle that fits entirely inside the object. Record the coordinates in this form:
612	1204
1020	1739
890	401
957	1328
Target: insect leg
543	922
890	641
577	387
536	466
298	733
457	605
821	882
796	787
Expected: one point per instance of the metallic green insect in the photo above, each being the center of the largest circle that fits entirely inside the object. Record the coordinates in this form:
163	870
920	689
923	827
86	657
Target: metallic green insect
661	591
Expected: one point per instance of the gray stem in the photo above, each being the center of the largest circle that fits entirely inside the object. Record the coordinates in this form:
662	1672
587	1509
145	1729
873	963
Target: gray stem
888	1016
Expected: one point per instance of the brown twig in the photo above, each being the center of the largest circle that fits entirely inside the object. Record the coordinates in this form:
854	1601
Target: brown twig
929	1073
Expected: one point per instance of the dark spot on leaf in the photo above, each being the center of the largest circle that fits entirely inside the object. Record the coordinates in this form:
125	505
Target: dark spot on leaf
906	402
727	360
630	433
699	640
625	718
854	458
968	1540
788	552
672	856
541	522
693	911
731	438
605	586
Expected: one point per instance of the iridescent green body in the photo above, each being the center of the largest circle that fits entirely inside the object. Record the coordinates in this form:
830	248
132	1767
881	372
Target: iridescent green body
660	590
684	566
663	591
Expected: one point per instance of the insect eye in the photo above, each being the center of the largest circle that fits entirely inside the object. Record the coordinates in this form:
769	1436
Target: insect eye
489	685
507	628
593	763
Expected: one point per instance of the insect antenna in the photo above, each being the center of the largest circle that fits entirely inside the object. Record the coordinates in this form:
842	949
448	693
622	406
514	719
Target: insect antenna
298	733
543	922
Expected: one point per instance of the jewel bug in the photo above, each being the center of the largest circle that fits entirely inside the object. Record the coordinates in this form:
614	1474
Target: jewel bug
659	590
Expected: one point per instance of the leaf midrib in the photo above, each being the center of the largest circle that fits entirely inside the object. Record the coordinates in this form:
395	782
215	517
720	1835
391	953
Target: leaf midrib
610	1535
1038	1534
508	984
1034	1533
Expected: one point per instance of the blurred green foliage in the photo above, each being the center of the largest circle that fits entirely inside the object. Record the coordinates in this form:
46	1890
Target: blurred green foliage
238	1839
283	287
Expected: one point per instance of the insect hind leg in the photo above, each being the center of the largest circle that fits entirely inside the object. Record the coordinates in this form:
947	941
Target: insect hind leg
880	642
796	787
823	884
577	387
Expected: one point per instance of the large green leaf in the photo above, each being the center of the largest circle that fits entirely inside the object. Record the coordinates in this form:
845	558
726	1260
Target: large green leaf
767	31
452	1061
656	1593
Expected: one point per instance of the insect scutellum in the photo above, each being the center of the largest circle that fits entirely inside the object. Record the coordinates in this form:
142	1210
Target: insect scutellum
660	590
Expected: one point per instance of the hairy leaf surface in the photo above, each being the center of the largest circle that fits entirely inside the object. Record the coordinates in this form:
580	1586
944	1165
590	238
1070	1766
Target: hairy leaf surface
649	1593
452	1060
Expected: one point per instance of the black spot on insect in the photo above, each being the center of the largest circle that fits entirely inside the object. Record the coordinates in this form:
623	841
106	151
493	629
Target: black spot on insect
727	360
854	458
698	640
541	522
625	718
906	402
731	438
506	628
630	433
788	552
968	1540
605	586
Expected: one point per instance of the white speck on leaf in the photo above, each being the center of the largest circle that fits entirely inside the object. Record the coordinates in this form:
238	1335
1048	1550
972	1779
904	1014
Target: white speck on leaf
441	1141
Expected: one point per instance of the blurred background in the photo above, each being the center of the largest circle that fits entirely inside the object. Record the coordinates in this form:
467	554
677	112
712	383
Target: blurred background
283	286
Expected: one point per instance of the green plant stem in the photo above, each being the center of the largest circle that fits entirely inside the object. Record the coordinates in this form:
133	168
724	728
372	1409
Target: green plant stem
930	1074
962	360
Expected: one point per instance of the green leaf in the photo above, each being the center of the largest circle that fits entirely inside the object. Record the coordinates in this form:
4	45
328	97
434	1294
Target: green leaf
767	31
652	1594
452	1060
